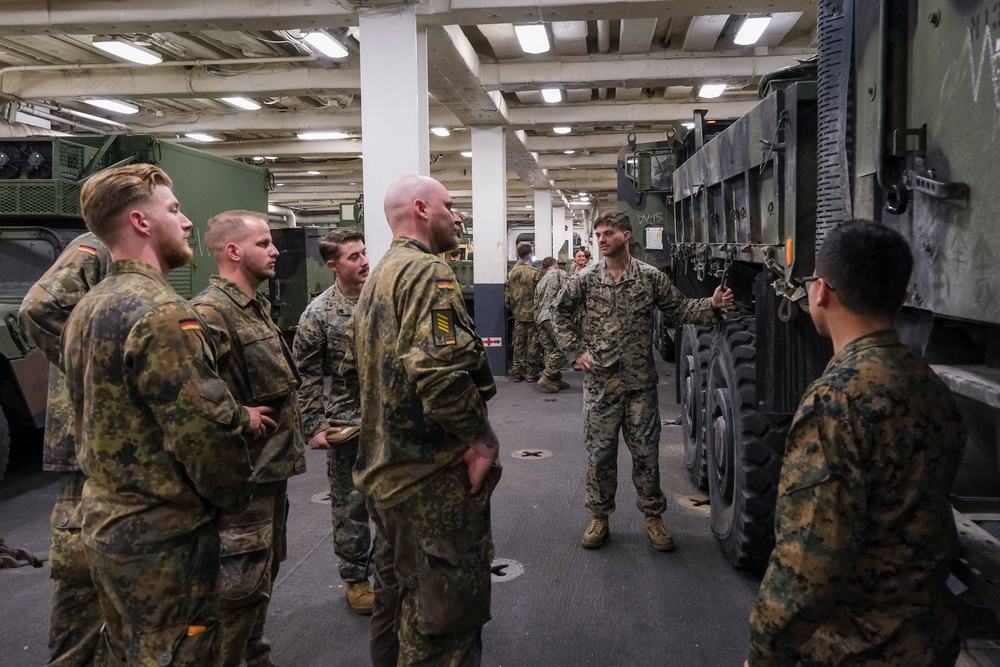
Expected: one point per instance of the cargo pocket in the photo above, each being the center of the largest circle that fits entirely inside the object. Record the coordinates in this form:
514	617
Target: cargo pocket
454	585
245	559
67	557
268	367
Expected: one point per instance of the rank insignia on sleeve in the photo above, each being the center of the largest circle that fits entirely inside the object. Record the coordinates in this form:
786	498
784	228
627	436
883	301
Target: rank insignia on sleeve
443	327
190	324
87	249
444	283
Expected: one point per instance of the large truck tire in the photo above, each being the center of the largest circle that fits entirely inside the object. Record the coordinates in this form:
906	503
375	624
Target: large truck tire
692	370
4	445
744	450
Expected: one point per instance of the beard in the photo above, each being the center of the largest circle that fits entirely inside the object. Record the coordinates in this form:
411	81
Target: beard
174	252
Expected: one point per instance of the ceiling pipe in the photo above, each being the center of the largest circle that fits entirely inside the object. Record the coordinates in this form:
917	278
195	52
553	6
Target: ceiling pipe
603	36
280	216
76	126
19	130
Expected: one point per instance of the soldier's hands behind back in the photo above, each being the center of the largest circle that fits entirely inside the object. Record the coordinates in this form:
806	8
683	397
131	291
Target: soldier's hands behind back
259	421
478	467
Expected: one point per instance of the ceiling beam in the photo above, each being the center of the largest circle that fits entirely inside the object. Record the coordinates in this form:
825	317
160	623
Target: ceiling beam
604	113
51	17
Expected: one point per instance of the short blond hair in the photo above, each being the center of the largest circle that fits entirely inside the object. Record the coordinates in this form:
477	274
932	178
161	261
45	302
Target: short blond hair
226	227
108	193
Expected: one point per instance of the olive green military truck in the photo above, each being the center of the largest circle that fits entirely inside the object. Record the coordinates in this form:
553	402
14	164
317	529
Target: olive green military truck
898	125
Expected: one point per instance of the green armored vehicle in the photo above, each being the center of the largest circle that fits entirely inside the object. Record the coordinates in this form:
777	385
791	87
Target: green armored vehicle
898	126
40	181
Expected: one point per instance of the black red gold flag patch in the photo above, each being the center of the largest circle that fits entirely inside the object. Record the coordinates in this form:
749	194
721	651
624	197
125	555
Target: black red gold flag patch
87	249
444	283
443	327
190	324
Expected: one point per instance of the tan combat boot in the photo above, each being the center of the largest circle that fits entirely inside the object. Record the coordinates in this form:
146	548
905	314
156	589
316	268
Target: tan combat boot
596	534
562	384
360	597
548	384
659	537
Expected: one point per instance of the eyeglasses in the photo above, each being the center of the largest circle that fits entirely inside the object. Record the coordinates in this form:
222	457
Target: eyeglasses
806	282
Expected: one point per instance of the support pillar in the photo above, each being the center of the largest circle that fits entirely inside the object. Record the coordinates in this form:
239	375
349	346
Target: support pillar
489	224
543	224
394	118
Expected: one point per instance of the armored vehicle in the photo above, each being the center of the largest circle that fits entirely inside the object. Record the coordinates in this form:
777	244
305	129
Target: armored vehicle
898	127
40	181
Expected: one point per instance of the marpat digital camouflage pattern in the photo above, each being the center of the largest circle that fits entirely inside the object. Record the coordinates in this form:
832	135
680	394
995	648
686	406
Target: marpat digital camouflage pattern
75	619
864	525
546	291
519	293
320	348
256	365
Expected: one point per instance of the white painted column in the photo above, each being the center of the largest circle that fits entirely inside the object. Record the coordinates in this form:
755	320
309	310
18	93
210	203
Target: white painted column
559	232
394	117
543	224
489	224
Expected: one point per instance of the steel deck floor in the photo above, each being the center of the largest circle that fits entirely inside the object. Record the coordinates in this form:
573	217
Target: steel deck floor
622	605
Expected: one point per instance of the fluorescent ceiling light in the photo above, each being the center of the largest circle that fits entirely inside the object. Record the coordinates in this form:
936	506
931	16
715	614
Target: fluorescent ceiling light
569	152
752	29
689	125
87	116
114	105
313	136
241	103
466	153
201	136
270	157
533	38
583	194
312	173
528	206
326	45
551	95
127	50
562	130
710	90
441	131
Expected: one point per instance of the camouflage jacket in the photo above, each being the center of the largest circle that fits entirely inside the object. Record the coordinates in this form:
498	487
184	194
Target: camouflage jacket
43	315
519	291
423	374
863	522
617	322
320	348
256	365
159	432
546	292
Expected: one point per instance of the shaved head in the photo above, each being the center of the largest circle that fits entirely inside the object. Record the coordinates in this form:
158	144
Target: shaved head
400	196
420	208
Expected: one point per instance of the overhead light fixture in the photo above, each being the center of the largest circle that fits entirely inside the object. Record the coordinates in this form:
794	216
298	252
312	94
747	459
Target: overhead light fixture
87	116
313	136
532	38
710	90
528	206
326	44
202	137
312	173
583	194
752	30
270	157
551	95
125	50
569	152
689	125
562	130
466	153
241	103
113	105
441	131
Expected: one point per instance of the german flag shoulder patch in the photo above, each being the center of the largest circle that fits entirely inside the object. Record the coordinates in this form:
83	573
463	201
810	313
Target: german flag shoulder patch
189	323
445	283
88	249
443	326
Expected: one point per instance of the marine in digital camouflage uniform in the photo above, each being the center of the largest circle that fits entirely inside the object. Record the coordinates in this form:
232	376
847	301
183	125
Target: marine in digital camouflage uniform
548	288
864	527
615	348
159	435
258	369
519	293
75	619
424	381
320	347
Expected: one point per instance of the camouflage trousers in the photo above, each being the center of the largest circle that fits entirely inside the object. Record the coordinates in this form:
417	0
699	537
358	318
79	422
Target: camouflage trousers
160	608
75	621
608	409
432	574
552	354
248	538
352	537
525	349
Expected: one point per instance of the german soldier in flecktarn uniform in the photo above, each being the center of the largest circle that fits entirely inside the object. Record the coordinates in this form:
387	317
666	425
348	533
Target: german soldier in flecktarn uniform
159	436
519	293
427	455
75	619
257	367
864	527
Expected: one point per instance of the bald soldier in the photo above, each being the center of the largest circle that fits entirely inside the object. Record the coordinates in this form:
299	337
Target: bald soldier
427	456
75	618
257	366
159	436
